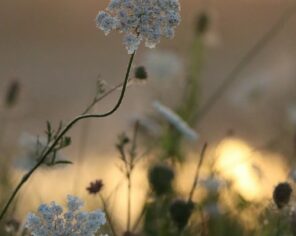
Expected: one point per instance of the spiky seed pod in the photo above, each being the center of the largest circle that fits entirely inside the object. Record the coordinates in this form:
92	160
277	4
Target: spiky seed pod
141	73
180	212
282	194
160	178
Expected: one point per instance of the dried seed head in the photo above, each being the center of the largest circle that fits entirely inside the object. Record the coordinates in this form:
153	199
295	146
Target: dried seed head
95	187
202	23
12	93
160	178
282	194
141	73
181	211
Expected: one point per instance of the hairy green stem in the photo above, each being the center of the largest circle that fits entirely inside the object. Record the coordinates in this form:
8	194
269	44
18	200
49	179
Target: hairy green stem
62	133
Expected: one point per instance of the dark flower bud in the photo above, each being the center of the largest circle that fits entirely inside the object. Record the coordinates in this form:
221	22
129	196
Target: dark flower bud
160	178
180	212
282	194
141	73
202	23
12	93
95	187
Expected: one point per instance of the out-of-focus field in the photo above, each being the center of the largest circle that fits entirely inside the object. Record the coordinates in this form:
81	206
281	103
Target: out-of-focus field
56	53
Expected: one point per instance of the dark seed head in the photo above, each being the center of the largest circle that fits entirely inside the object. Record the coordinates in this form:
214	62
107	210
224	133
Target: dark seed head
282	194
12	93
202	23
160	178
95	187
141	73
181	211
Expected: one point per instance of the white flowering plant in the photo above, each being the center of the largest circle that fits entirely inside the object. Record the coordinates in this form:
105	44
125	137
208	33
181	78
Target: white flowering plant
140	20
146	20
51	220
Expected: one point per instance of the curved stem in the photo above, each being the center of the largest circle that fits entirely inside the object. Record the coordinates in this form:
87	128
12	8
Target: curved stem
63	132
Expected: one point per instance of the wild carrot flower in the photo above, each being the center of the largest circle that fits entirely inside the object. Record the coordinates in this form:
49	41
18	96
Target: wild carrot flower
52	221
146	20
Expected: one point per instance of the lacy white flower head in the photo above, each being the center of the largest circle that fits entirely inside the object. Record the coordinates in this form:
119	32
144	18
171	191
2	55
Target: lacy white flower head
32	148
53	221
146	20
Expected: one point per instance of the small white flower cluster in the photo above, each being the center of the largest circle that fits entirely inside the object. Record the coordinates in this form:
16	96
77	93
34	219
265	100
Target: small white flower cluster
51	221
175	120
139	20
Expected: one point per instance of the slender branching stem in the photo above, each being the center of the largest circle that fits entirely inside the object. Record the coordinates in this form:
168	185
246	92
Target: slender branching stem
131	165
109	219
86	129
62	133
200	162
96	100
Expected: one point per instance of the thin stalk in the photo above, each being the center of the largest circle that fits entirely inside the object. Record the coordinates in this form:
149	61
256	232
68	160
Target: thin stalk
246	59
85	131
96	100
108	215
63	132
129	186
201	159
130	169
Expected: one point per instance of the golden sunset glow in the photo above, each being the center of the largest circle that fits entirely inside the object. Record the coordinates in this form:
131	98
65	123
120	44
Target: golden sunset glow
252	174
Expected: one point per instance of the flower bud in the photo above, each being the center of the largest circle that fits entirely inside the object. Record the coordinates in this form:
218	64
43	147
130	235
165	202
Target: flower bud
141	73
181	211
202	23
12	93
282	194
160	178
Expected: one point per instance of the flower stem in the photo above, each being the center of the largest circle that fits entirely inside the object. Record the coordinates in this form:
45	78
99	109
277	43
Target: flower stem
196	178
63	132
128	224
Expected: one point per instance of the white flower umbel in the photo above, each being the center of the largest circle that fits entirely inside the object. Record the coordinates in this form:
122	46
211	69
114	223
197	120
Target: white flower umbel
176	121
146	20
52	221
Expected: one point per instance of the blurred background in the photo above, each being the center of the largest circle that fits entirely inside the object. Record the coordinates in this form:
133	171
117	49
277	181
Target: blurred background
56	54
